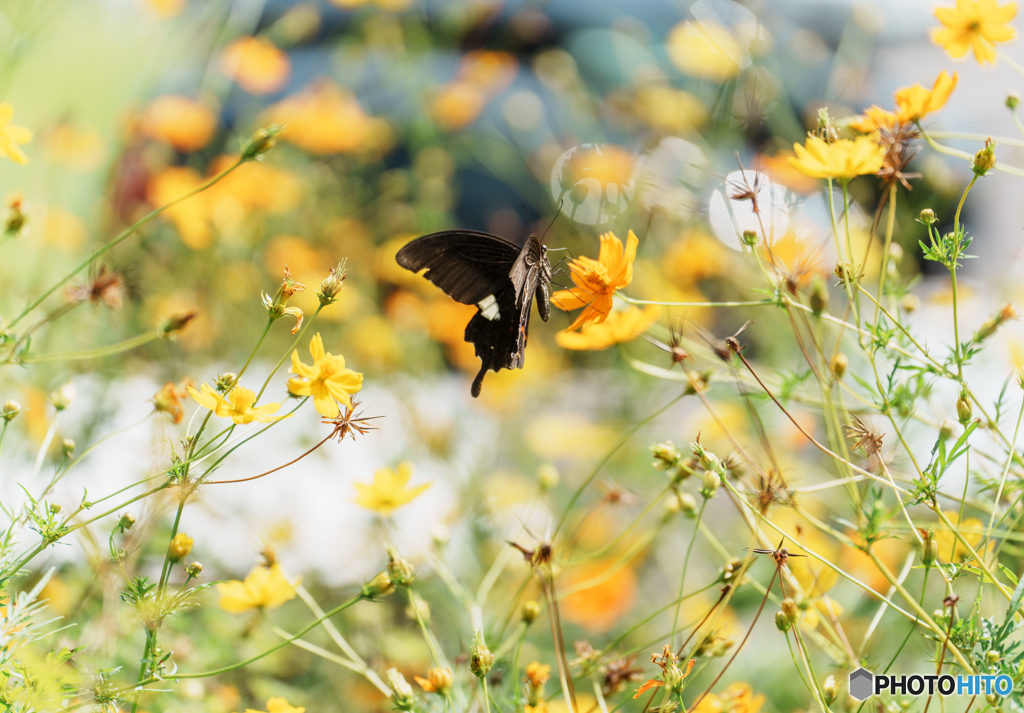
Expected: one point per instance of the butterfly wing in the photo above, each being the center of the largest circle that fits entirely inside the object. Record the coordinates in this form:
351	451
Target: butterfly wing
468	265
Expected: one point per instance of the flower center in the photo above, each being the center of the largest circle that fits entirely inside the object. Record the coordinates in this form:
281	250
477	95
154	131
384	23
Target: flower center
596	277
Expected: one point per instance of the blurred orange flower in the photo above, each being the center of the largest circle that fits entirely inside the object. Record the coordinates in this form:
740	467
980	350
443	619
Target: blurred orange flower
607	164
192	216
736	698
621	326
457	104
183	122
601	604
597	280
781	170
257	65
487	68
482	74
325	119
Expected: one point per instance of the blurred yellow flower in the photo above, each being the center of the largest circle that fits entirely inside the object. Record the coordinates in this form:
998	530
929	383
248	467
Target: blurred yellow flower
457	104
977	25
737	697
841	160
781	171
597	280
78	148
324	119
263	587
950	548
670	109
183	122
166	9
695	256
328	381
597	607
255	185
874	119
704	49
191	217
63	229
607	164
621	326
239	405
389	490
256	64
567	435
11	136
914	103
815	580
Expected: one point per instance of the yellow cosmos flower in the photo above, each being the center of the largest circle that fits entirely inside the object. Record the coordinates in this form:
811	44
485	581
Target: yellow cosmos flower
621	326
390	490
11	136
597	280
977	25
184	123
736	698
874	118
257	65
239	405
262	588
842	160
327	380
914	103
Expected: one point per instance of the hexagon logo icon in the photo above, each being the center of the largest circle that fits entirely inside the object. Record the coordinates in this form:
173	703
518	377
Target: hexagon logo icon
862	684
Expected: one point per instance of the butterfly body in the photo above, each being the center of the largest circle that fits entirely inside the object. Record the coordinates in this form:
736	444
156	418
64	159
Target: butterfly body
498	277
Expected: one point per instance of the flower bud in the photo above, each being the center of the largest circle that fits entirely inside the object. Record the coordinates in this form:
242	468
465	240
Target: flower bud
55	508
194	570
947	429
332	285
831	690
819	296
910	303
126	521
790	609
548	476
993	657
480	659
964	410
260	142
985	159
711	482
418	609
62	397
847	273
440	534
929	549
401	571
750	238
379	586
993	323
782	621
895	251
402	694
928	217
10	411
16	217
440	679
529	611
225	382
731	569
939	615
687	504
665	455
181	545
840	363
1012	99
67	447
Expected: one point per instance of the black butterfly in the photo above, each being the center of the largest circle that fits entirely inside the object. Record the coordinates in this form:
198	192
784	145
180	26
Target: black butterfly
497	276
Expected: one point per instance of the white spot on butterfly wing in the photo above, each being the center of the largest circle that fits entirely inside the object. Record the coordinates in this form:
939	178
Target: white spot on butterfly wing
489	308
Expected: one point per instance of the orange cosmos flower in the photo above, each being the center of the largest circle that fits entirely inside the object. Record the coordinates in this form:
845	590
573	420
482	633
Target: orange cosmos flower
257	65
621	326
597	280
324	119
183	122
974	25
914	103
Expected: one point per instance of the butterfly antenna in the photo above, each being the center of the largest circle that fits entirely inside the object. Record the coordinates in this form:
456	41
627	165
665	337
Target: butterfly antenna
558	213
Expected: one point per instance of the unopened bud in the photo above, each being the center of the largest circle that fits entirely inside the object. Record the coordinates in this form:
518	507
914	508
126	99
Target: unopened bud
55	508
67	447
480	659
225	382
993	657
985	159
711	483
964	411
819	296
401	571
440	680
910	303
790	609
928	217
699	381
126	521
379	586
260	142
530	611
989	328
1012	99
332	285
62	397
782	621
181	545
947	429
176	323
831	690
665	455
402	694
194	570
929	549
750	238
731	568
10	411
687	504
840	363
548	477
847	273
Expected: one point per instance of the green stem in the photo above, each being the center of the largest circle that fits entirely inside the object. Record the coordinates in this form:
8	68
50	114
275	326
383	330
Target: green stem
686	564
119	347
287	353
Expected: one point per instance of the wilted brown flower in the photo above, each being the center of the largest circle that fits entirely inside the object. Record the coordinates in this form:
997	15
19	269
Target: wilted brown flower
106	287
